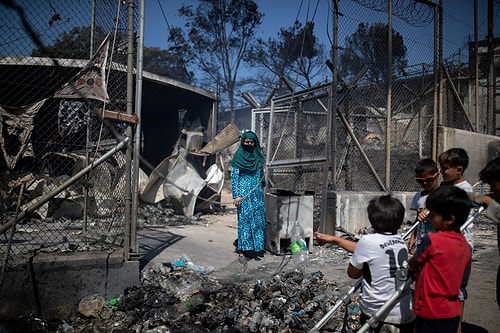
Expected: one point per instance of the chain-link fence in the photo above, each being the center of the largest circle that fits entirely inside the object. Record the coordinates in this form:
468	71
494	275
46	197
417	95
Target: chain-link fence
47	140
298	125
63	183
294	135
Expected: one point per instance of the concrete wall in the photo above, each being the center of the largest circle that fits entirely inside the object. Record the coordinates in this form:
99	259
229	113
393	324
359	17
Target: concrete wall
52	285
347	210
480	147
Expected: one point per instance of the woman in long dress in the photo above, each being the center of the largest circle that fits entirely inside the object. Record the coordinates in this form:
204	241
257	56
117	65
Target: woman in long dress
247	182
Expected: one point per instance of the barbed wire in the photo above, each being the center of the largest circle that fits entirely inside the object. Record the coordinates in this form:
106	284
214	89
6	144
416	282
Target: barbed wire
412	12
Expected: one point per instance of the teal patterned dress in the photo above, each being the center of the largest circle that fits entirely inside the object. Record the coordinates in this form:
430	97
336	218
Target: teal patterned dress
251	213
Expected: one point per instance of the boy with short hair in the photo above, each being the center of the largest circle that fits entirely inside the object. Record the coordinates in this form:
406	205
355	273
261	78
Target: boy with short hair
426	175
382	259
453	163
441	261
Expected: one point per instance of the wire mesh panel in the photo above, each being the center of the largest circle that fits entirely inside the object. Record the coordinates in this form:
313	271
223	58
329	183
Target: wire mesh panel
63	164
365	79
362	133
464	99
294	137
295	133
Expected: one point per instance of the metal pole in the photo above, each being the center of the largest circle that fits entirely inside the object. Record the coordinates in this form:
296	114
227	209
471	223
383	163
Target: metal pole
440	67
343	300
130	109
436	87
92	27
138	133
269	141
329	177
476	67
87	155
372	321
490	113
389	100
334	104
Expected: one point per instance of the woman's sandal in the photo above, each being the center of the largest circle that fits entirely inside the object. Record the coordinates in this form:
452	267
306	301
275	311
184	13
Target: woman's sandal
242	259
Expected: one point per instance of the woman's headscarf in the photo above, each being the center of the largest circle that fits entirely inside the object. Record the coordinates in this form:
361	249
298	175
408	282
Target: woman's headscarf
248	157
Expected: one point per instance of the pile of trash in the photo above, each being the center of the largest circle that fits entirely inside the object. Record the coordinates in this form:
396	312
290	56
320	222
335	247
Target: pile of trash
178	297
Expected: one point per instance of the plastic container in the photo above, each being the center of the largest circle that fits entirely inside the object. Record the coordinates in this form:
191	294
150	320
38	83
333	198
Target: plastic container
298	246
113	302
256	320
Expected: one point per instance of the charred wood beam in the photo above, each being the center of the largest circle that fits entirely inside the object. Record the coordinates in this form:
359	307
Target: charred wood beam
118	116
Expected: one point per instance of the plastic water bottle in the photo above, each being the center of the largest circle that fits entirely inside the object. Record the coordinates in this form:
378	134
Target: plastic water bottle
300	252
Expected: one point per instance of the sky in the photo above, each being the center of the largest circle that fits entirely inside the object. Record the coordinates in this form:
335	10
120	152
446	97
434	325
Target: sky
458	23
458	18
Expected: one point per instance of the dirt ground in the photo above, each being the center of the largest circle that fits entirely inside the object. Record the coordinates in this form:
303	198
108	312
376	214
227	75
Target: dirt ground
482	313
208	243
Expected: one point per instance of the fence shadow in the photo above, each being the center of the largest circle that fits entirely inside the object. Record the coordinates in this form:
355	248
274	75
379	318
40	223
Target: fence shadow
152	242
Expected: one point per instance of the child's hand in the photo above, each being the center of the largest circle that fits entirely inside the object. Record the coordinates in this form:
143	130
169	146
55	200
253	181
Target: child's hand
318	237
422	214
321	238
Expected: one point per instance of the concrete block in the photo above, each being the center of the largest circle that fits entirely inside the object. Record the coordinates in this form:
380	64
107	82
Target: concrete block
52	285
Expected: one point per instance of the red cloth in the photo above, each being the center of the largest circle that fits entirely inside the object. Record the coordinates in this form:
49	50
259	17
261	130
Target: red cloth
443	257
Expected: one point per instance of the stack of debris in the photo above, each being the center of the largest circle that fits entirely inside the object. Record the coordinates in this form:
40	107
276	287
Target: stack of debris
183	298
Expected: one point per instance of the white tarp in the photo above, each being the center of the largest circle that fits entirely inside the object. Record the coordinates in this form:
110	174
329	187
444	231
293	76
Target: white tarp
90	82
16	126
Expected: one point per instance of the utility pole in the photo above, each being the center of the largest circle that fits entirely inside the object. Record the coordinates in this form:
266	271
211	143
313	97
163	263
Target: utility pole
490	110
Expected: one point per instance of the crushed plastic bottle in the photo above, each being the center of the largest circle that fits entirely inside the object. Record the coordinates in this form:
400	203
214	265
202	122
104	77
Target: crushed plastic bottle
67	328
298	246
188	264
256	320
199	269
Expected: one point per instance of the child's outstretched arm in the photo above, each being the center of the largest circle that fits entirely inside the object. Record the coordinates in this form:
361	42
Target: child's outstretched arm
493	207
346	244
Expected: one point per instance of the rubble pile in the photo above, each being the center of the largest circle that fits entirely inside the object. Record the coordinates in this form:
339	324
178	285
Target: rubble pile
158	215
181	299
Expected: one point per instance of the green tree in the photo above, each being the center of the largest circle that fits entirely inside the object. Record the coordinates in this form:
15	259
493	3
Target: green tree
296	54
166	63
368	47
74	44
219	33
